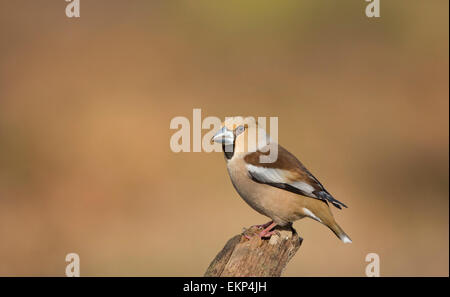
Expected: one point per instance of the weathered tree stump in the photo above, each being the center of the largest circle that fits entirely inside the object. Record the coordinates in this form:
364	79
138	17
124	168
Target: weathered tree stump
255	256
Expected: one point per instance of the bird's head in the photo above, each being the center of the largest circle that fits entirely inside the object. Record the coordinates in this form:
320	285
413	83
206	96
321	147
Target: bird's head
241	135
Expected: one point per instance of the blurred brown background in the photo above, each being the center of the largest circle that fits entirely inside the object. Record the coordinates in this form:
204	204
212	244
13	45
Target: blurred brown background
85	107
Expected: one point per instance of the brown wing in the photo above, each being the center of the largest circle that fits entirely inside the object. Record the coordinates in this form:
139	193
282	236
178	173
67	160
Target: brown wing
287	173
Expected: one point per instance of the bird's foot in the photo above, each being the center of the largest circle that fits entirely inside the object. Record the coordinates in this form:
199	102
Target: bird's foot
248	236
266	233
263	226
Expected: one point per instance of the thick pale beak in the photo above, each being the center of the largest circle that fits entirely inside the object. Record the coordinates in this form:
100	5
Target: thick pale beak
223	136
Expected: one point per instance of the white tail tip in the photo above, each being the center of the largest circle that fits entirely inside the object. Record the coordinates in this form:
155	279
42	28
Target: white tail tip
346	239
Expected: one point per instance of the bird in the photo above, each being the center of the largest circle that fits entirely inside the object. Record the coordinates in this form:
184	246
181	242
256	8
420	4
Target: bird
282	189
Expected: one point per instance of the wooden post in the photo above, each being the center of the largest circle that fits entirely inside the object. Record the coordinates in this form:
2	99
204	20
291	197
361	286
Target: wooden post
255	256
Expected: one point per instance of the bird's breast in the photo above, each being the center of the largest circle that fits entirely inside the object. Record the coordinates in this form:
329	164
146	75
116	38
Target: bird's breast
250	191
280	205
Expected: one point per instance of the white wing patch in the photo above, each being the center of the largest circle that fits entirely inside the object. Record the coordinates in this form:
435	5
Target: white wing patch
267	175
278	176
304	187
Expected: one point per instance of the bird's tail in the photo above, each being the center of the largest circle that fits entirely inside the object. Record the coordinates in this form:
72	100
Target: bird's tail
339	232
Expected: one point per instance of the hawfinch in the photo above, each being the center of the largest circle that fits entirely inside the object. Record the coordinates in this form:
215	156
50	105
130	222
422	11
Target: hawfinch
284	190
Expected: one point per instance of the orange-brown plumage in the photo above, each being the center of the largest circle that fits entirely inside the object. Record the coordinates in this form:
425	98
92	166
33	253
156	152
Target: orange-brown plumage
283	189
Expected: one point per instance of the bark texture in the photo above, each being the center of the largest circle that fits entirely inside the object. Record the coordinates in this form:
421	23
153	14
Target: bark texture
255	256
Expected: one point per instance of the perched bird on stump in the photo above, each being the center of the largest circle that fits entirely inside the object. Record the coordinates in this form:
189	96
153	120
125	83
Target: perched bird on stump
272	180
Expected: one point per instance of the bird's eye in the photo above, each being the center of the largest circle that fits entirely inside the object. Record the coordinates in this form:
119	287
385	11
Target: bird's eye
239	130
